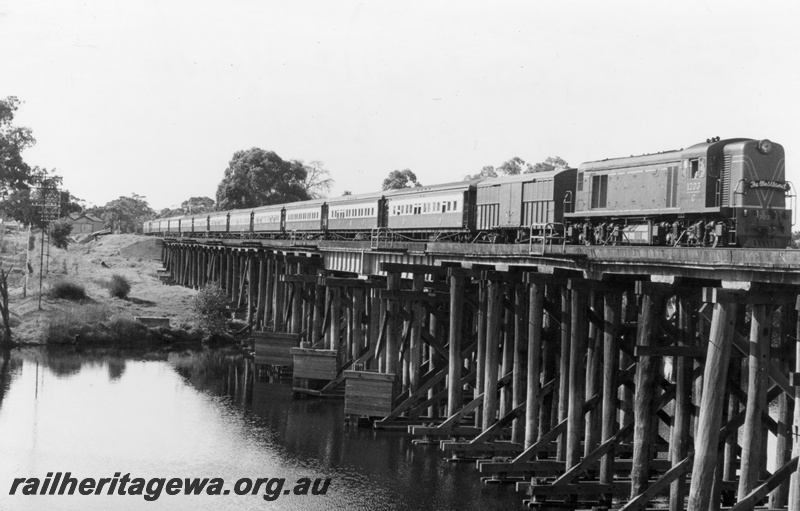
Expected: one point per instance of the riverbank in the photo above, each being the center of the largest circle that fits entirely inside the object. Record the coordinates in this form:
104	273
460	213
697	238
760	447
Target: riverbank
91	265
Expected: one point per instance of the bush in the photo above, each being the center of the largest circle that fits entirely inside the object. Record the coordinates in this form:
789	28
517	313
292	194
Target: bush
210	308
119	286
67	290
59	232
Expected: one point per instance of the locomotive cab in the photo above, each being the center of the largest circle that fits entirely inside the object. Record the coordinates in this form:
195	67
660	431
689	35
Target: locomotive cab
756	173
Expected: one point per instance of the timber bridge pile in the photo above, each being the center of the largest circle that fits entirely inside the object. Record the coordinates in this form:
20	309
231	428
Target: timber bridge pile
629	377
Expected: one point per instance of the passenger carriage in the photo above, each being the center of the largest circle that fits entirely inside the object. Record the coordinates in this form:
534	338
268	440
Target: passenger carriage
268	220
218	223
353	216
303	217
437	212
240	222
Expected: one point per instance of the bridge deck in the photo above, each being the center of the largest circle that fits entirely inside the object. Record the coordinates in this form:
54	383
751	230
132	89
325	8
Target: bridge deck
777	266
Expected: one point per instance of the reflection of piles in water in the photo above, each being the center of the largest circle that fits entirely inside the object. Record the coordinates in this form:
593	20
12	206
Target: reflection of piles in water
11	365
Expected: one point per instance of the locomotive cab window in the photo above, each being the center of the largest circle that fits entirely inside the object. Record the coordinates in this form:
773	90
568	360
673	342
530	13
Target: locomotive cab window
697	168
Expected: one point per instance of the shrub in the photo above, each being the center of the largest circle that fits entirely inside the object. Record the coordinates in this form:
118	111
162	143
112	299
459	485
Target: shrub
210	306
119	286
67	290
59	232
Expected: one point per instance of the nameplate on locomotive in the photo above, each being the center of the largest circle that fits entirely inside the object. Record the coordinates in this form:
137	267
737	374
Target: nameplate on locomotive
773	185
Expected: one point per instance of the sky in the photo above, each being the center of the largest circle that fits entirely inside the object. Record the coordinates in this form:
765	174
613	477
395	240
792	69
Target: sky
154	97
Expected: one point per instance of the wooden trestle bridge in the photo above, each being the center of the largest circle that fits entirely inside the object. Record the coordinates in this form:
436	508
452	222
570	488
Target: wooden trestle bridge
632	377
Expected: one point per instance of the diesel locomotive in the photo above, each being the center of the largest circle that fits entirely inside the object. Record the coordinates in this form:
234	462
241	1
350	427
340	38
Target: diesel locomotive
718	193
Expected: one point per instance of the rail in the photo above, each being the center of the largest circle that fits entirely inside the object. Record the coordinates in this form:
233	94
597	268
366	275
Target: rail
550	231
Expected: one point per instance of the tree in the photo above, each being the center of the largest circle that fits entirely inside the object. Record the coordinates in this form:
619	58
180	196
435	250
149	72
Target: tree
318	181
485	173
399	179
551	163
512	167
14	172
126	214
346	193
259	178
196	205
58	232
516	166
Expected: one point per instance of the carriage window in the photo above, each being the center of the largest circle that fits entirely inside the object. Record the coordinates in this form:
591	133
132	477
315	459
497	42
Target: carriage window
695	169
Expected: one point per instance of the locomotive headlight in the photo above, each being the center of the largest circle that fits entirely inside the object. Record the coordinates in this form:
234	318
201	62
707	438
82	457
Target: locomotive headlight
765	146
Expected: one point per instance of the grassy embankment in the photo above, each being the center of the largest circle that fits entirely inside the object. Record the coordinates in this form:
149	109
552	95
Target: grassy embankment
100	269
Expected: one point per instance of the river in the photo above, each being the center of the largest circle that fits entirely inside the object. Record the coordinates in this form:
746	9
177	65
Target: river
205	414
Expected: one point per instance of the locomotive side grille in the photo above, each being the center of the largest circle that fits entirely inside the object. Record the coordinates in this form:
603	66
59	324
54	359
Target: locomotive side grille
725	181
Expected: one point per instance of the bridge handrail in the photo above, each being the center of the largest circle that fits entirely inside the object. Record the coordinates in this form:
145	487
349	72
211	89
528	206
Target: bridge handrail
378	234
549	232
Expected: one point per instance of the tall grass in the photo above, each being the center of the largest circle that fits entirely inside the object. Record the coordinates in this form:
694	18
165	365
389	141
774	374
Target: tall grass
74	323
90	324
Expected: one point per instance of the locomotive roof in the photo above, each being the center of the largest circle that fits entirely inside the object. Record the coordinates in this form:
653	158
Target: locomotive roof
656	158
532	176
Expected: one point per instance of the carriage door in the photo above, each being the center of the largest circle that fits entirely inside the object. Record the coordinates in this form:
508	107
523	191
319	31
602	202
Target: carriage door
511	205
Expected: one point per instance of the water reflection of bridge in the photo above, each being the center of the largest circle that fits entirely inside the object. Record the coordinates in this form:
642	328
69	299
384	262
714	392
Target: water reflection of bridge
583	374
